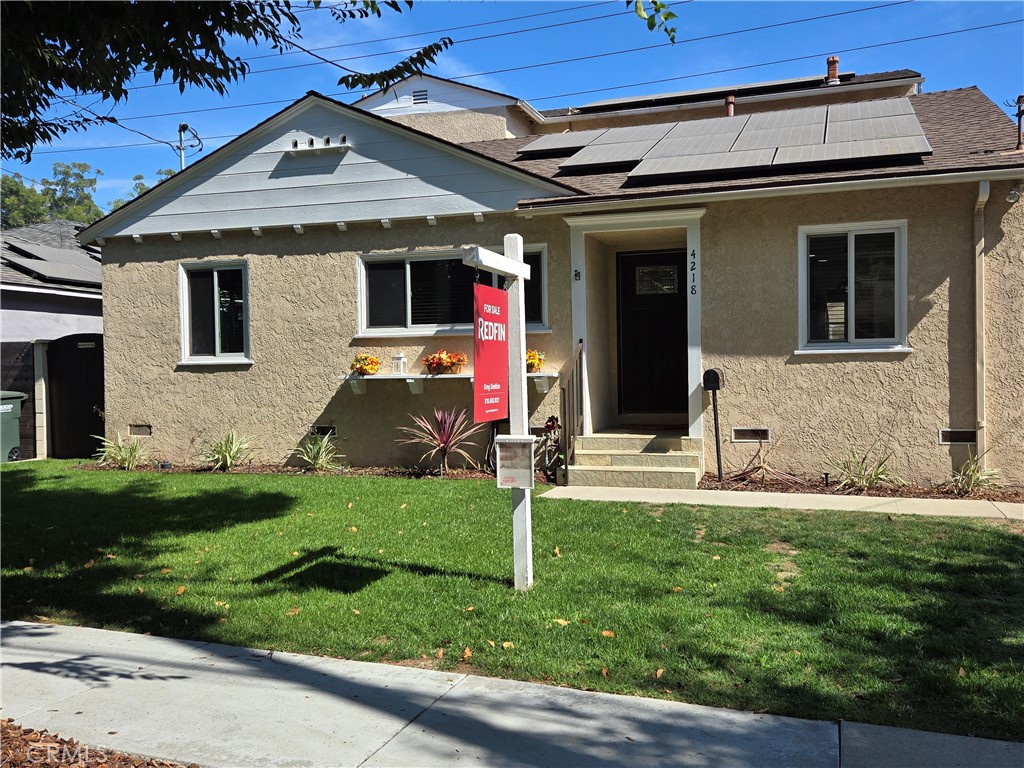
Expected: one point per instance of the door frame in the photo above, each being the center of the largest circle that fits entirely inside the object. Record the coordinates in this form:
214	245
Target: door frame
686	218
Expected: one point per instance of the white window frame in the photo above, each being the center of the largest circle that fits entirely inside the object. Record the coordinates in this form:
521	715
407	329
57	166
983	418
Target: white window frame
899	343
453	329
217	358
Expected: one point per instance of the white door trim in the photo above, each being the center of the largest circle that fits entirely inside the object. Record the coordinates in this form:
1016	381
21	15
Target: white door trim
688	218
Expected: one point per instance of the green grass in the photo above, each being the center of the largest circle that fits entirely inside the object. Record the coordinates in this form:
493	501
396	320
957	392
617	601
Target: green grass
906	621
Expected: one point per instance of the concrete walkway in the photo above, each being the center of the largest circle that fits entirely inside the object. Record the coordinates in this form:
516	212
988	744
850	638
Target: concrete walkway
893	506
217	705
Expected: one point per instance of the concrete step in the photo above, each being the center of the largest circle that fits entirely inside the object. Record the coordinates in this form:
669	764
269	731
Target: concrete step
650	442
634	477
670	459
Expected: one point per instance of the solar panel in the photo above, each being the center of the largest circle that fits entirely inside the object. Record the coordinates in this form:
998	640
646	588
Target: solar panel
711	125
718	161
608	154
633	133
54	272
560	141
787	118
794	136
853	150
894	127
867	109
58	255
692	145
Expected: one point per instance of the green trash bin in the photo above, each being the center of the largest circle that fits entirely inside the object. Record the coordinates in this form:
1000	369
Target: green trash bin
10	416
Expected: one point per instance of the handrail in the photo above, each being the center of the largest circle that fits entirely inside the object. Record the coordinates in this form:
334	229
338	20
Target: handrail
570	385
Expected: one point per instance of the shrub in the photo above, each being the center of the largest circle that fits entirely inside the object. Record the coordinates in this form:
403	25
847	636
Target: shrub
867	470
228	451
444	436
118	453
971	476
320	452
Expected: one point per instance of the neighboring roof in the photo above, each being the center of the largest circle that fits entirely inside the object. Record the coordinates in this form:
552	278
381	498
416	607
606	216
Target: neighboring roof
803	85
425	76
966	130
48	256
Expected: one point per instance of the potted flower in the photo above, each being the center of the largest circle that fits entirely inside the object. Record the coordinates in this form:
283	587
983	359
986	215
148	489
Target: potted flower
365	365
436	362
534	360
456	360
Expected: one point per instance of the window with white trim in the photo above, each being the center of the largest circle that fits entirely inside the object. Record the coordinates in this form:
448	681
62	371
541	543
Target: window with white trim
215	316
853	294
433	293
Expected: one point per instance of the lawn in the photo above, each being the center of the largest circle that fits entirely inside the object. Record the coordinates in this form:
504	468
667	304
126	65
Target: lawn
901	621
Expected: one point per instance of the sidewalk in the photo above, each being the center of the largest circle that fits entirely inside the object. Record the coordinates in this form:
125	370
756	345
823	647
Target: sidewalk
217	705
999	510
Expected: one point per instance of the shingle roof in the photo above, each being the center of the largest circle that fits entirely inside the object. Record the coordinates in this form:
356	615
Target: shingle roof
966	130
51	241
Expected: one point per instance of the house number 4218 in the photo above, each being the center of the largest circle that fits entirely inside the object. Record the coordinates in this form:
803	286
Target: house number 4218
693	272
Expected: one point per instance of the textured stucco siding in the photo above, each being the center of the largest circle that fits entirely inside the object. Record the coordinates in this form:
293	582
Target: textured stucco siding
461	126
1004	332
303	323
820	407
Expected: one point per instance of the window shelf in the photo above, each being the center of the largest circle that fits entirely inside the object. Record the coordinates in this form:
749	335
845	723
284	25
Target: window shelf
542	381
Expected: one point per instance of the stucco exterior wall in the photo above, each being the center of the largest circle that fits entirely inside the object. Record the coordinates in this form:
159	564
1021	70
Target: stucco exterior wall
1004	344
460	126
303	325
820	407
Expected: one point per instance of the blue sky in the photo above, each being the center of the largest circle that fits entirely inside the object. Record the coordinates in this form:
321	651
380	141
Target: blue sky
616	56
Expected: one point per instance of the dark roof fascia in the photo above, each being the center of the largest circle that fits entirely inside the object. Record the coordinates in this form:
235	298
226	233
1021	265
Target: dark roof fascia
86	235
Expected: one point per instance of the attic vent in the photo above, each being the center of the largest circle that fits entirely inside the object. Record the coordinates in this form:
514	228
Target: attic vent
327	141
295	143
310	143
419	97
957	436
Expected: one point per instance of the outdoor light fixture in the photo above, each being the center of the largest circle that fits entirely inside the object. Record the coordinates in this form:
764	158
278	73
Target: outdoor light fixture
1014	194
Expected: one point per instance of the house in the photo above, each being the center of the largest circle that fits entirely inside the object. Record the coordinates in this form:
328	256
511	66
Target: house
52	344
844	248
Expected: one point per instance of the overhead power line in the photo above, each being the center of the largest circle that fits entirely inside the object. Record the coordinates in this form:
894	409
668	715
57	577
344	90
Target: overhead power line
603	89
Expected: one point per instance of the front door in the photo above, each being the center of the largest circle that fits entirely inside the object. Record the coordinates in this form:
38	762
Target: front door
652	344
75	395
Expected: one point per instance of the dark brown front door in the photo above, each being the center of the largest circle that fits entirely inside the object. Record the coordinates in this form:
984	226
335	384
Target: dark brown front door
652	332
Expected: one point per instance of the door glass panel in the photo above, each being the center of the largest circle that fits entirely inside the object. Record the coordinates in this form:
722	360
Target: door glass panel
657	280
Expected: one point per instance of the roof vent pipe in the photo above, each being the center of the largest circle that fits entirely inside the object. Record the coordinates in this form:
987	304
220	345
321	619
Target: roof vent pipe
730	105
833	71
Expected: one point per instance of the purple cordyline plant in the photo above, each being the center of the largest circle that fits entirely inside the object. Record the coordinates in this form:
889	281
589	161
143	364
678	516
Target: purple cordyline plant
445	435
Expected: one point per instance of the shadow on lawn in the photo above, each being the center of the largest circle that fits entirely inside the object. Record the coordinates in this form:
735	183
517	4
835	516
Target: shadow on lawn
949	631
62	543
330	568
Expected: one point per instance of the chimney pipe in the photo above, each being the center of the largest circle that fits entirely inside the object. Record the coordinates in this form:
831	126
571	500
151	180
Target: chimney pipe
833	71
730	105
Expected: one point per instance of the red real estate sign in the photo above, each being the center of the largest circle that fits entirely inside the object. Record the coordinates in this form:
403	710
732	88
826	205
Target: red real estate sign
490	353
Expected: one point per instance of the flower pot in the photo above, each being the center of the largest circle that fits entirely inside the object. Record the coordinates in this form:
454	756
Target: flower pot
455	368
434	370
532	368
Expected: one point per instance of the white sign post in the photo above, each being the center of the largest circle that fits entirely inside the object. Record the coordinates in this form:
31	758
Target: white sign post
512	267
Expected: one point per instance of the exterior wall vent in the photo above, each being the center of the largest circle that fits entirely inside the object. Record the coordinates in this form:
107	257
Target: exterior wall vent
142	430
419	97
751	435
950	436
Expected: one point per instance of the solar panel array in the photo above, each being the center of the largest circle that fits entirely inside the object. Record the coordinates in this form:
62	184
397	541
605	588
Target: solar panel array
52	271
841	132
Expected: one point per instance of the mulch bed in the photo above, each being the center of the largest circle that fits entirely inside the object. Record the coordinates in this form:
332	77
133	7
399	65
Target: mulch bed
1003	493
26	747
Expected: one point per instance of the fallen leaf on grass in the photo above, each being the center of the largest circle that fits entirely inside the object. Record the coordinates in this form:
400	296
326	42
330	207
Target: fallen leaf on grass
507	645
140	590
962	672
562	622
219	602
490	643
469	608
677	589
467	653
295	554
294	611
138	576
604	671
403	506
558	552
111	557
350	505
90	564
716	557
28	569
355	611
353	529
165	570
440	653
607	633
658	673
181	590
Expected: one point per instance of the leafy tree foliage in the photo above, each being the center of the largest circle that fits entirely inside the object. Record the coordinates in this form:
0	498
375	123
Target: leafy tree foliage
68	195
139	187
55	52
